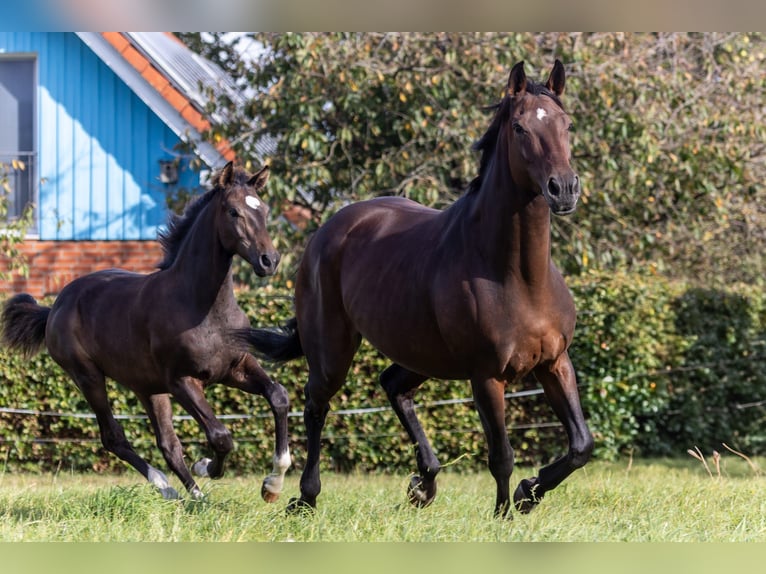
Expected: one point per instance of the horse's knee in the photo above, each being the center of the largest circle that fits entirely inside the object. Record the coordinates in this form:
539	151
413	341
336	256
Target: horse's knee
221	440
580	453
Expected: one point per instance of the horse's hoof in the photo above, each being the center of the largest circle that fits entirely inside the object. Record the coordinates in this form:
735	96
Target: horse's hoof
267	495
298	506
419	496
200	468
169	493
197	495
524	497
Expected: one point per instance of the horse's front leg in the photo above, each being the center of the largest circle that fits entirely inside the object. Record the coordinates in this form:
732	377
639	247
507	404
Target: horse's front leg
189	393
489	397
250	377
560	386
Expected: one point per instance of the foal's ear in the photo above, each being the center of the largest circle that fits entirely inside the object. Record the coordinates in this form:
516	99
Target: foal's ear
557	79
226	176
260	178
517	81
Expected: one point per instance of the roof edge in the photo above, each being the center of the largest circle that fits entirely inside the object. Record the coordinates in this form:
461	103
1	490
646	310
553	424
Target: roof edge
153	99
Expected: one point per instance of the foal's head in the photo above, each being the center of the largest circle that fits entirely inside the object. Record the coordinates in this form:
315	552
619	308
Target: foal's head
537	129
242	217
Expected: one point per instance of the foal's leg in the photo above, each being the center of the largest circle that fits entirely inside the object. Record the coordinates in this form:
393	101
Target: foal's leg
160	412
489	398
92	384
400	385
250	377
189	394
560	387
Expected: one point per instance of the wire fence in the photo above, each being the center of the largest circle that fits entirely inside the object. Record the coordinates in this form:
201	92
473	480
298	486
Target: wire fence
363	411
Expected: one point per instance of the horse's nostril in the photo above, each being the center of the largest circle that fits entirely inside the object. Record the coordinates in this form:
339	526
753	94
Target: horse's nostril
266	261
553	186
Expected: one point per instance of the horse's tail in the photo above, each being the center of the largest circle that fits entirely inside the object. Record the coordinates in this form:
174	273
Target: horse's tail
23	324
277	345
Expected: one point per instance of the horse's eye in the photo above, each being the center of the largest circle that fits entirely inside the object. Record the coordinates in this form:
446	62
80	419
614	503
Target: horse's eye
570	128
519	130
233	212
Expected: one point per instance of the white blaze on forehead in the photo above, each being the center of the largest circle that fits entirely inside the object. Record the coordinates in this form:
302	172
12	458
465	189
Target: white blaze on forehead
253	201
541	113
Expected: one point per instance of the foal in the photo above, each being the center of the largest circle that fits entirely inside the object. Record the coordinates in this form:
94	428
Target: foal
169	333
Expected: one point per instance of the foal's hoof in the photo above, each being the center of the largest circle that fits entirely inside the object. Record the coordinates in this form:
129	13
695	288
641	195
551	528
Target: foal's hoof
267	494
419	496
169	493
524	497
200	468
298	506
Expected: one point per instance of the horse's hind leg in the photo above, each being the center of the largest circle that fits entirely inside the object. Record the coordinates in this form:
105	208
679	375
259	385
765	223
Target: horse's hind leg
400	385
92	384
250	377
560	388
489	397
160	412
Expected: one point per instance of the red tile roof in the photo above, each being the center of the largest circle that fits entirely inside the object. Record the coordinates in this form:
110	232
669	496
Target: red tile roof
165	87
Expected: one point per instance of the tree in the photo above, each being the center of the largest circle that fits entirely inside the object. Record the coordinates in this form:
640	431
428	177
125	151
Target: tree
669	139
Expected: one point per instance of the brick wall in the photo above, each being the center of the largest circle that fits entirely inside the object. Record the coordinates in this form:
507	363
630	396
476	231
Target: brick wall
53	264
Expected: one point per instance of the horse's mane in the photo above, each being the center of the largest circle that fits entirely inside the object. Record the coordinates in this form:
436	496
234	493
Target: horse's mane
488	142
178	226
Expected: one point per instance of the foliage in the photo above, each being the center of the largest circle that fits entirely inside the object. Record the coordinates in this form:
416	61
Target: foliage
662	368
12	230
669	139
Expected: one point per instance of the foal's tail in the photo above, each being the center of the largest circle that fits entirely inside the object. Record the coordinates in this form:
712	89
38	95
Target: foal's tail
23	324
278	345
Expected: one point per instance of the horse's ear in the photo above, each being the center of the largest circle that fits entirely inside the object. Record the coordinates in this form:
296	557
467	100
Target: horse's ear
517	81
227	175
557	78
260	178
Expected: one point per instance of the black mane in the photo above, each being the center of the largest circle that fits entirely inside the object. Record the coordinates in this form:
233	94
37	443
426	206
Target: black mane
487	143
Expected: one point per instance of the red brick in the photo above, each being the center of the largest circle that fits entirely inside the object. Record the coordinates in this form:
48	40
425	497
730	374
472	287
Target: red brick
53	264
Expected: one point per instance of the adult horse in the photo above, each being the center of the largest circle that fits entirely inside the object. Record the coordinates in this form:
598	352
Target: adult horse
465	293
168	333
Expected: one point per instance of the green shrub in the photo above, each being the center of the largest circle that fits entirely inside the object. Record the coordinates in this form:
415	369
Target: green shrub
662	368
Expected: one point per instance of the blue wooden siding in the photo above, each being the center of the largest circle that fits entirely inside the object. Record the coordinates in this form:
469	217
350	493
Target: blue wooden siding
98	144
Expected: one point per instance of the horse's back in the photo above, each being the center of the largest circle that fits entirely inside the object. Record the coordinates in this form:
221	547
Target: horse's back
89	311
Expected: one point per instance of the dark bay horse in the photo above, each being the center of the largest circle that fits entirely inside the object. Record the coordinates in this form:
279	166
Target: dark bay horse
168	333
465	293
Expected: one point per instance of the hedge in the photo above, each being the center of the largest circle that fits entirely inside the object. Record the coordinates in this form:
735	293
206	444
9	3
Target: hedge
663	367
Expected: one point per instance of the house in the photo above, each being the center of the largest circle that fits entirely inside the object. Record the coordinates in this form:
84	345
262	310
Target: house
108	126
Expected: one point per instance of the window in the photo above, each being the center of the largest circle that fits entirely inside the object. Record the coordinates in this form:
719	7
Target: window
18	154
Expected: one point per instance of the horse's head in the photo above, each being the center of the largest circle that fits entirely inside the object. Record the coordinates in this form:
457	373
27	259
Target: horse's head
538	135
242	218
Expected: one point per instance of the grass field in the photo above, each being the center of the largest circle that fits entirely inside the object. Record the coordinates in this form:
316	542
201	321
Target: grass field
669	500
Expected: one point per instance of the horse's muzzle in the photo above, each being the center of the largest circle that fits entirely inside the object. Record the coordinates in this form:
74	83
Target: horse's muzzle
562	193
266	264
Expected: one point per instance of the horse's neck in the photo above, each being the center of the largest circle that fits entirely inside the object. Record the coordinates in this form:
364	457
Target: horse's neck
202	267
511	228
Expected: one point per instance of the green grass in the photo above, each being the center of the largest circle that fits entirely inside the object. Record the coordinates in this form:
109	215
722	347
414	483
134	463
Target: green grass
673	500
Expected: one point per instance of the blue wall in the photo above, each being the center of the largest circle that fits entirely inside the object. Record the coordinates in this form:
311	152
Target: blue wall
99	145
